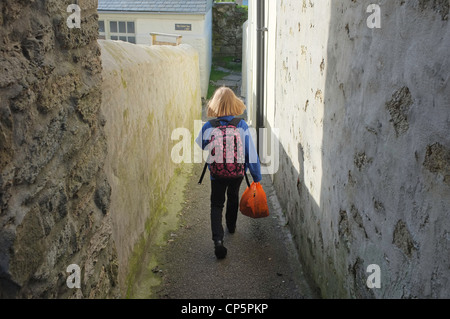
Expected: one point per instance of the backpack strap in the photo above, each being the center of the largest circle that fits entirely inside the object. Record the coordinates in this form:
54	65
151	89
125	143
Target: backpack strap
235	121
216	122
204	171
203	174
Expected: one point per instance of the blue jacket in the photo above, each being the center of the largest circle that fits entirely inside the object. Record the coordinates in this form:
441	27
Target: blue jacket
251	156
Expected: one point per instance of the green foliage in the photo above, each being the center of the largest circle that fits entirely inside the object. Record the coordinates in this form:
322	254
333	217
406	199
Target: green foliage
217	75
228	62
244	12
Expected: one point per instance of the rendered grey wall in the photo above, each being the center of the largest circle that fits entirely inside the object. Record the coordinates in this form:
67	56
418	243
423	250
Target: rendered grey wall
364	119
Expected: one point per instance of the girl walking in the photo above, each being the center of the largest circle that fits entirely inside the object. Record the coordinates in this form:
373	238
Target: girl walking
226	180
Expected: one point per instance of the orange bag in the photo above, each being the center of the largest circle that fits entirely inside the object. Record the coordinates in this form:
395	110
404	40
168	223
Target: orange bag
254	202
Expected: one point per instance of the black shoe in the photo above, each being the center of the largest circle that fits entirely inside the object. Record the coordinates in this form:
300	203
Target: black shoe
219	249
231	230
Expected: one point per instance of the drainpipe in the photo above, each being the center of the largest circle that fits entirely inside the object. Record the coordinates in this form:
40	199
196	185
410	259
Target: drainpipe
260	72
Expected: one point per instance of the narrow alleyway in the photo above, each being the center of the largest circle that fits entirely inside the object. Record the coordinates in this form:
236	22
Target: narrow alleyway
261	261
95	205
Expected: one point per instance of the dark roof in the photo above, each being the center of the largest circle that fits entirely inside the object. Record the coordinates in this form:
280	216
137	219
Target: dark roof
166	6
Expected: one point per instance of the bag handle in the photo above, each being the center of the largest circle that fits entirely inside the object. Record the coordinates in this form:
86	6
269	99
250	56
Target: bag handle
246	179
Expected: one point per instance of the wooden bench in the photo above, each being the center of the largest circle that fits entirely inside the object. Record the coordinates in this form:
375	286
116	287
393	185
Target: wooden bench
176	37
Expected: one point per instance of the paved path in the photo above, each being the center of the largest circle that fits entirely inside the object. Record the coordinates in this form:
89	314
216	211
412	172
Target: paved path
261	260
233	80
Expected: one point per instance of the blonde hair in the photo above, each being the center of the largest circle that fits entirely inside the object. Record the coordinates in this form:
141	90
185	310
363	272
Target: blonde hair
225	103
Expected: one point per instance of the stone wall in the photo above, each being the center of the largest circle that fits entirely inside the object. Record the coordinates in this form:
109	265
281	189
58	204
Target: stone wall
228	20
54	196
364	124
85	152
148	91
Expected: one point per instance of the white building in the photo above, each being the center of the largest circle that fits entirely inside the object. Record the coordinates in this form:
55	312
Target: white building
134	20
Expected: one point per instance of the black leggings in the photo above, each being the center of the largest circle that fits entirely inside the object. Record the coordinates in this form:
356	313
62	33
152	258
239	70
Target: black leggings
218	189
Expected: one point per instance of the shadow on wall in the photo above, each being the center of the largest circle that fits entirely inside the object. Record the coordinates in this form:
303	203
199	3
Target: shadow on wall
364	150
292	194
306	223
385	115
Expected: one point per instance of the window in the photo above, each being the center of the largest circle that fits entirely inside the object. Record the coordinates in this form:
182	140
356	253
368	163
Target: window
122	30
101	30
113	26
117	30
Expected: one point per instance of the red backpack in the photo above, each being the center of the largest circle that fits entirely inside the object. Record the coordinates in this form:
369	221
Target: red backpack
226	151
